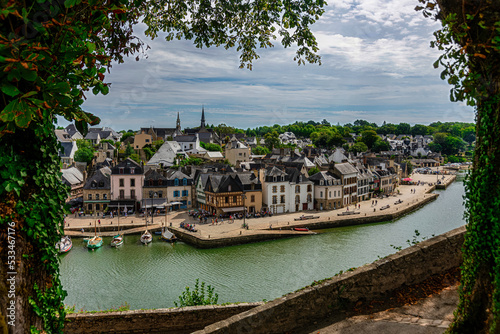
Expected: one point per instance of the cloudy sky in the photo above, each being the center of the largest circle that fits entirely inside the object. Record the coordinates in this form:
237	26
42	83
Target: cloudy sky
376	65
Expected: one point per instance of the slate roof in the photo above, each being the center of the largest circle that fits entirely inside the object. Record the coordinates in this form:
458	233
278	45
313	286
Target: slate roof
166	154
72	176
100	180
68	149
346	168
323	175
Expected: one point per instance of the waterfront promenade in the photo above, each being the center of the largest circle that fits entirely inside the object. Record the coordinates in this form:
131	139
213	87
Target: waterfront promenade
280	225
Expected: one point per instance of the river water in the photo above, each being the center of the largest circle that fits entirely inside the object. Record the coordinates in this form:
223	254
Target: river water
154	276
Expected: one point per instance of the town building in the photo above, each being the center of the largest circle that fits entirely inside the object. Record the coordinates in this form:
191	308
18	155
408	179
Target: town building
327	191
97	191
236	152
348	175
127	179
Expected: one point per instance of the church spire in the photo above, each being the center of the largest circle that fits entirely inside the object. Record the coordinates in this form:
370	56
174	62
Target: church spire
202	126
178	127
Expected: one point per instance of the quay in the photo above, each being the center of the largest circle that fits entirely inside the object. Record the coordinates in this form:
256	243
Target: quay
409	198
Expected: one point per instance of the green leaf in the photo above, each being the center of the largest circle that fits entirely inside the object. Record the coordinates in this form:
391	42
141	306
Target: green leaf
10	90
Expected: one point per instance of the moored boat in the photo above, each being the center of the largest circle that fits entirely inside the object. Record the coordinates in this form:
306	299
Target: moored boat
64	245
168	236
146	237
301	229
95	242
117	240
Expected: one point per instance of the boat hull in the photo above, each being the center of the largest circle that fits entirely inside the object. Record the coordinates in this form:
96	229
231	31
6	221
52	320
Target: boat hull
94	243
117	241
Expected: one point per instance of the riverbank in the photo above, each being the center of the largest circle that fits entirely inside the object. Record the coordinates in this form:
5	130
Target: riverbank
409	198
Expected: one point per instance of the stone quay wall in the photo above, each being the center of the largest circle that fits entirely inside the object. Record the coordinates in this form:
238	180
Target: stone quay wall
369	282
214	242
174	320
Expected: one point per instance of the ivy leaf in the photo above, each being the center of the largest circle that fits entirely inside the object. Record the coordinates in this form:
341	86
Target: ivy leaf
11	90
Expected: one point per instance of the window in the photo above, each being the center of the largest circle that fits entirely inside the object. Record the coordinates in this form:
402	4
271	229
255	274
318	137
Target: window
160	194
229	188
97	207
185	192
132	182
184	182
176	182
122	193
121	169
93	184
160	182
297	199
252	198
275	189
89	207
282	178
282	199
330	194
176	193
96	196
282	189
226	199
309	187
132	170
150	183
101	184
321	194
90	197
122	182
297	189
235	200
105	196
309	198
240	154
147	140
132	193
275	199
321	182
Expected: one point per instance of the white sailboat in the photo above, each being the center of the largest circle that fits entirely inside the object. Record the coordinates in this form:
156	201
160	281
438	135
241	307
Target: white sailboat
117	239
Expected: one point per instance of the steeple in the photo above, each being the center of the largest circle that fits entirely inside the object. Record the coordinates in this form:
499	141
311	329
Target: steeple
178	127
202	126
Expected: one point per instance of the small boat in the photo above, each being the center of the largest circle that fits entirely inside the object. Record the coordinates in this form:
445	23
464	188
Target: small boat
168	236
117	240
301	229
86	239
146	237
64	245
95	242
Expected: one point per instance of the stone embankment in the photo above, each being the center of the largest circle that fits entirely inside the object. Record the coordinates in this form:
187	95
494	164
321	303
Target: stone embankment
329	298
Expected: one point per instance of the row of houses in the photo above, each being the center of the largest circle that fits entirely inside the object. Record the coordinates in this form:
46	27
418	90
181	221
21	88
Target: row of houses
222	190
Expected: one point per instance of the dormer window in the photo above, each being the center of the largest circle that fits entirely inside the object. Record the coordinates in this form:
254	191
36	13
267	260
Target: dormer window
93	184
321	182
229	188
132	170
160	182
184	182
282	178
176	182
121	170
274	178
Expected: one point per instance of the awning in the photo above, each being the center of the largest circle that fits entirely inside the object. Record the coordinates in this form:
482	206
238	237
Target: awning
239	208
173	203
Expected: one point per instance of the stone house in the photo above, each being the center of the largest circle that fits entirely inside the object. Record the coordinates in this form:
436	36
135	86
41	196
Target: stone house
224	195
365	183
154	190
97	191
237	152
327	191
74	178
275	189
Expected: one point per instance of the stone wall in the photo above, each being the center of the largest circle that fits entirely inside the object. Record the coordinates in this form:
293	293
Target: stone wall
175	320
370	282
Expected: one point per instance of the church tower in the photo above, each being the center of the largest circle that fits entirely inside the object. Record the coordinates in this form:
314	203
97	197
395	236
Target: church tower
178	127
202	126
